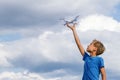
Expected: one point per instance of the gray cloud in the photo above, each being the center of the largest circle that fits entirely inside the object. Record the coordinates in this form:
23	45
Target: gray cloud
20	16
45	66
31	18
29	13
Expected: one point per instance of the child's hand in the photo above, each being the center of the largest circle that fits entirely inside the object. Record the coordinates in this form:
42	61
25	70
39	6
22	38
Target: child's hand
72	27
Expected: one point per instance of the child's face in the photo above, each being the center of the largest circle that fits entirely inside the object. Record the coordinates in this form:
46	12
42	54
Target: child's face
91	48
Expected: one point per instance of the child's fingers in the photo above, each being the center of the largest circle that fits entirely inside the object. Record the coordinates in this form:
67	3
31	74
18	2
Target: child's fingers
67	24
74	24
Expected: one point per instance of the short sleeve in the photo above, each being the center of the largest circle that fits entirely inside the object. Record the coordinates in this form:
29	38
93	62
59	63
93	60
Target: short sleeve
101	63
85	56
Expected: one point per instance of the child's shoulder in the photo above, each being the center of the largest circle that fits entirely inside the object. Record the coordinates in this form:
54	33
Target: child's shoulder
100	59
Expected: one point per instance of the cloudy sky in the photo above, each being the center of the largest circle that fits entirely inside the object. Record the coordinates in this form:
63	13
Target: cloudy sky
35	45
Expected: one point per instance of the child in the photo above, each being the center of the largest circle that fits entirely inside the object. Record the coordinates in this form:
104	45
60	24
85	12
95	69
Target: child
93	65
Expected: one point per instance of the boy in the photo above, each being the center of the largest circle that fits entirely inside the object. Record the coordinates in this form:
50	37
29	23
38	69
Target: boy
93	65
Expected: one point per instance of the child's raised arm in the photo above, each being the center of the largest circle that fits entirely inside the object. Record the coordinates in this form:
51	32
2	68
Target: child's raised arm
79	45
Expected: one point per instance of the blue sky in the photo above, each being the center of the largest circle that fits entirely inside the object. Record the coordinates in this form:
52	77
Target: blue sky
35	45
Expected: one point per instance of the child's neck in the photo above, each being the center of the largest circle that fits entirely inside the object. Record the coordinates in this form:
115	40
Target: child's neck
93	54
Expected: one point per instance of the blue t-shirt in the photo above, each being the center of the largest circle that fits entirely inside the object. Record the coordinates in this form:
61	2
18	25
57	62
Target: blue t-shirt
92	67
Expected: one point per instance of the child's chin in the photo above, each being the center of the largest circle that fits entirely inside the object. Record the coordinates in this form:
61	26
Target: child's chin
87	50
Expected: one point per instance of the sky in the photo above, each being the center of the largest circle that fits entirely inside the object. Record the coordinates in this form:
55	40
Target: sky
35	45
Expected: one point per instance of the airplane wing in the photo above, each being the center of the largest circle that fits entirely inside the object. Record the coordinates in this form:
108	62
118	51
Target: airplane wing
64	21
75	19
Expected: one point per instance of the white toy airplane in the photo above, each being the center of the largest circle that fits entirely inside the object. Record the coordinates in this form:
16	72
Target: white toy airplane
70	22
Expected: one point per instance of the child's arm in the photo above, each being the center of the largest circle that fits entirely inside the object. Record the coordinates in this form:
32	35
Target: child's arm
103	73
80	47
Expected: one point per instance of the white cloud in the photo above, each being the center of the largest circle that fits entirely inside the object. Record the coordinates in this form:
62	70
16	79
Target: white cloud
20	76
99	23
49	46
31	76
55	46
3	57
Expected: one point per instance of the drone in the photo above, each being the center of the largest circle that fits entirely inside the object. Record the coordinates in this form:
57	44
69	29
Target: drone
70	22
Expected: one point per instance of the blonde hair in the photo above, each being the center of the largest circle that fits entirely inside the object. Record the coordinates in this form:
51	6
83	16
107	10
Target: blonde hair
100	47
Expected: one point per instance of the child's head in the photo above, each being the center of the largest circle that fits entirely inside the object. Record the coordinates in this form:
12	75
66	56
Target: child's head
97	47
